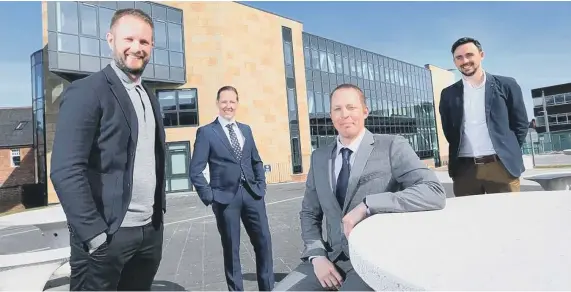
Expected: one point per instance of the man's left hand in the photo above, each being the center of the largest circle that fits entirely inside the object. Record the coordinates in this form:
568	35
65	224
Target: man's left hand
353	218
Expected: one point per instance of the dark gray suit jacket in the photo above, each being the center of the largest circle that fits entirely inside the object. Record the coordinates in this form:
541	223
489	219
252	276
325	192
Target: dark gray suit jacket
386	171
94	152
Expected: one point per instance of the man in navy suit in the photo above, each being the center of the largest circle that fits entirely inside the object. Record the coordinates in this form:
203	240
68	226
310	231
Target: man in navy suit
485	122
236	190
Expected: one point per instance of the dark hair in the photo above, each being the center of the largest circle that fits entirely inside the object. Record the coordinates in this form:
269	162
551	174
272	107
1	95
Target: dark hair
133	12
466	40
349	86
227	88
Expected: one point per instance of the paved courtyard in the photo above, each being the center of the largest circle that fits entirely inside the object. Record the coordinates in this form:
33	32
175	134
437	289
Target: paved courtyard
192	256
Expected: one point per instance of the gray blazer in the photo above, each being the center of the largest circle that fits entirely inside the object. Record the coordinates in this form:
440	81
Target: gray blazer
386	171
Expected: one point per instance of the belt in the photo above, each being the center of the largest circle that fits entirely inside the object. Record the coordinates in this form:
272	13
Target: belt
482	159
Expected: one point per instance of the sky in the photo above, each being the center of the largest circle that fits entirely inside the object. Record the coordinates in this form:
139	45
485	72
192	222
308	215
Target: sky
530	41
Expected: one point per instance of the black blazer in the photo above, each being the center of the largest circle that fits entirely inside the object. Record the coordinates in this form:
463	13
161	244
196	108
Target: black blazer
506	117
213	147
94	151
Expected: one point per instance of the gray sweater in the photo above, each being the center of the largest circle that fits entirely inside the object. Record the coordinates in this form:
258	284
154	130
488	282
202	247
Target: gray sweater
140	208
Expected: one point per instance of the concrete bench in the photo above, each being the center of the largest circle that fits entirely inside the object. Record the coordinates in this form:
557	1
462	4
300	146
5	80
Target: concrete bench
495	242
567	151
553	181
31	270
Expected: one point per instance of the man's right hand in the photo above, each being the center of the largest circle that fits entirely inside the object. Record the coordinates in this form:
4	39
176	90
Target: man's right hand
326	273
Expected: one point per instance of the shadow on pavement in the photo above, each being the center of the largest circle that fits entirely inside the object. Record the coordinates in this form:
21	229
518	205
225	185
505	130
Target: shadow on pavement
252	276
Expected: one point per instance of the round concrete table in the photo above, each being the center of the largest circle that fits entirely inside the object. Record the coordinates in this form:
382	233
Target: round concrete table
511	241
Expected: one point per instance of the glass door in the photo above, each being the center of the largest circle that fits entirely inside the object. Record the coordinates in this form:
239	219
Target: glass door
177	167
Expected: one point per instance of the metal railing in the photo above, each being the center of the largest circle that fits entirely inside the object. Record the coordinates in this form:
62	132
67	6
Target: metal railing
548	143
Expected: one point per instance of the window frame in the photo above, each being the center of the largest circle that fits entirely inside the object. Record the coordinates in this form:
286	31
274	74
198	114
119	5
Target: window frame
15	152
178	110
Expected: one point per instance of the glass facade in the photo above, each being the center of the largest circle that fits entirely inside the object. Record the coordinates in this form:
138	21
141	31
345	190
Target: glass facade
38	119
77	38
291	93
399	95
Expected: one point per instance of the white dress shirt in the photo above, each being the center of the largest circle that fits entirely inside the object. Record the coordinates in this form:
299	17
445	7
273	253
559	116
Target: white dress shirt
476	140
224	122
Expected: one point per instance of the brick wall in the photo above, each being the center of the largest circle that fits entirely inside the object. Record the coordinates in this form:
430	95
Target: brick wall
13	178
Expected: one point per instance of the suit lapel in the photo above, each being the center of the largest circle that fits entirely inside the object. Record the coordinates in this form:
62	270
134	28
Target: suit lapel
246	136
459	102
329	164
124	101
222	135
157	113
489	94
363	154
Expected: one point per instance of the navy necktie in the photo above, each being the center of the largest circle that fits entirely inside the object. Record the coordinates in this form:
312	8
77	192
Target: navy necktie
343	178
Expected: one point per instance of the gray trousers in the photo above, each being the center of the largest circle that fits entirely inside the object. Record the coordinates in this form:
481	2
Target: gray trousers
303	279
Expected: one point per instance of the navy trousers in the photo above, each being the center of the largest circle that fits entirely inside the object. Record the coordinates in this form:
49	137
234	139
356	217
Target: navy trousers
252	211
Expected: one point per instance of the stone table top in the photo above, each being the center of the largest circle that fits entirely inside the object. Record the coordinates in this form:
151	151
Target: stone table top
511	241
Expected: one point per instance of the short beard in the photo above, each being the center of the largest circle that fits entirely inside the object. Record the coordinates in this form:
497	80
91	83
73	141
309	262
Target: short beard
135	72
470	74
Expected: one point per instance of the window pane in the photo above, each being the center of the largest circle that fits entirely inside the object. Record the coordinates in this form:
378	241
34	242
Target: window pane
167	100
160	34
176	59
105	50
88	20
188	118
105	16
159	12
68	43
174	15
89	46
288	54
146	7
161	57
175	37
67	17
187	99
170	119
307	58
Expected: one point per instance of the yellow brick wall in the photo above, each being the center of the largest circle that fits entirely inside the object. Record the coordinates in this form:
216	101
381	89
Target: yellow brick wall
441	79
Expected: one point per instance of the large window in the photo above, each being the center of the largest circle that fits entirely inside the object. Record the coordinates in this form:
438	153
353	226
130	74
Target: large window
77	37
399	95
179	107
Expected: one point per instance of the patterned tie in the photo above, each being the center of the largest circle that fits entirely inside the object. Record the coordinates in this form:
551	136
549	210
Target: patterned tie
234	142
235	145
343	179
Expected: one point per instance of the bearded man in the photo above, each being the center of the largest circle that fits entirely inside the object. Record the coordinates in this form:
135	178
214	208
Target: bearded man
108	166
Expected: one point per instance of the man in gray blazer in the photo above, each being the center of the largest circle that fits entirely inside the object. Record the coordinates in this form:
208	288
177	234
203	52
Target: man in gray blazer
367	174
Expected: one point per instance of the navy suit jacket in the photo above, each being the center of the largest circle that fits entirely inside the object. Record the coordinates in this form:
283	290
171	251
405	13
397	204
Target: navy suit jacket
94	152
213	147
506	117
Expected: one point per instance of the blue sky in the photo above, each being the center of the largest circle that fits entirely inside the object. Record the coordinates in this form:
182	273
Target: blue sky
530	41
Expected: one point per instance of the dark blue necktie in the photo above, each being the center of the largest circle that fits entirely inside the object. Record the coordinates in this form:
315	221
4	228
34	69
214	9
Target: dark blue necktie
343	178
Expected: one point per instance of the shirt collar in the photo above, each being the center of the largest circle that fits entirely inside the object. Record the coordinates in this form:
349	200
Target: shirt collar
467	84
127	82
353	146
224	122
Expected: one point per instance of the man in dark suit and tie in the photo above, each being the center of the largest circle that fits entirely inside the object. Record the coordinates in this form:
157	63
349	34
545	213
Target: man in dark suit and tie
108	163
236	190
485	122
358	175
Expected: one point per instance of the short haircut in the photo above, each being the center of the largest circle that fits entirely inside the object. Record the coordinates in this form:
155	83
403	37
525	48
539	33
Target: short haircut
466	40
133	12
227	88
350	86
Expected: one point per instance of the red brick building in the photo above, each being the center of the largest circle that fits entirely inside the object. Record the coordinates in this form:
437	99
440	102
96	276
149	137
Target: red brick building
17	158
